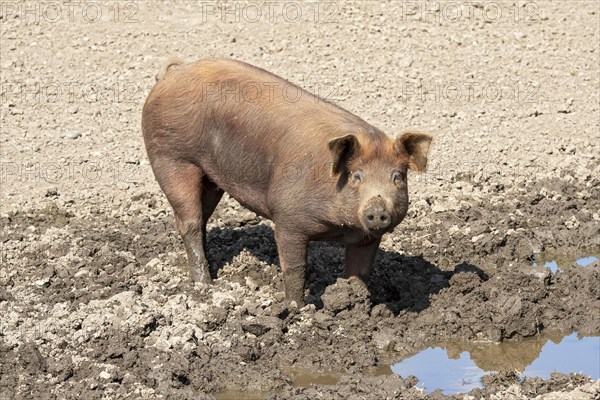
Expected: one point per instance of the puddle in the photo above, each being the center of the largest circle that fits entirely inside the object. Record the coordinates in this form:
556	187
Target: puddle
301	378
304	379
456	368
585	261
238	395
561	263
551	265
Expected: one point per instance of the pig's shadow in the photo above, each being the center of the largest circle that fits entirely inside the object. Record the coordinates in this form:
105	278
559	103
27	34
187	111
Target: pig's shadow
401	282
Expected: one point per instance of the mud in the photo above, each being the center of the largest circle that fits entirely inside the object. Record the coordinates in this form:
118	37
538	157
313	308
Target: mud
94	298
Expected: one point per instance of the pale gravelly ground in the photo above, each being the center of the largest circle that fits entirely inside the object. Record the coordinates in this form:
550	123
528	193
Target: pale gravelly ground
93	299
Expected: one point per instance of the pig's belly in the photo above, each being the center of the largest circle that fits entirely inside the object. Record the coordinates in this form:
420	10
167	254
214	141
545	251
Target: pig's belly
243	184
343	235
249	197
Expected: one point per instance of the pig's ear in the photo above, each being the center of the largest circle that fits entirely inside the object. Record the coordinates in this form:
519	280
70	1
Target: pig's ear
414	146
342	148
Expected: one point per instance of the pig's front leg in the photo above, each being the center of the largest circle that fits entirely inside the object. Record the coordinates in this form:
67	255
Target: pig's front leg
359	260
292	249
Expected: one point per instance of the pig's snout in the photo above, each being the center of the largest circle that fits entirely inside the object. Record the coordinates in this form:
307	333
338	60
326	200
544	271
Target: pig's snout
376	217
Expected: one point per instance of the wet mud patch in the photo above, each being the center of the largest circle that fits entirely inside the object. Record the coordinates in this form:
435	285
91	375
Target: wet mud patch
87	259
506	226
106	303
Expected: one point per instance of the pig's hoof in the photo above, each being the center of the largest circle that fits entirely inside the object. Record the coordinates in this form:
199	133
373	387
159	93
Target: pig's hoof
202	276
356	280
299	302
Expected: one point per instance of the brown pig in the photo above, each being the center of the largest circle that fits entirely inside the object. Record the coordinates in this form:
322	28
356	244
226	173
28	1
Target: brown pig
316	170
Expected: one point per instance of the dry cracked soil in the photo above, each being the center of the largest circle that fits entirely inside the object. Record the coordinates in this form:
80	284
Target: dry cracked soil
94	298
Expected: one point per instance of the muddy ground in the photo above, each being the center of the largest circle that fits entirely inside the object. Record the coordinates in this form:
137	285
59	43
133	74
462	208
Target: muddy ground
94	299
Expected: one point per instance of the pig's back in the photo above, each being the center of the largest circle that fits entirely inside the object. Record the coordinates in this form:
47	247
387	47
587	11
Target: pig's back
240	123
256	102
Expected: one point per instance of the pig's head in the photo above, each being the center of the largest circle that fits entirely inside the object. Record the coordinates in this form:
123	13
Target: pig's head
372	177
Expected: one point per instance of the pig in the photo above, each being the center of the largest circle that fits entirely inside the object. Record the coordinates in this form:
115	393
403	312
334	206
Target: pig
319	172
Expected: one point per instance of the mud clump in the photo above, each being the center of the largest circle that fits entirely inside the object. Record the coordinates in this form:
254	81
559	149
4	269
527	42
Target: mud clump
261	325
346	295
507	305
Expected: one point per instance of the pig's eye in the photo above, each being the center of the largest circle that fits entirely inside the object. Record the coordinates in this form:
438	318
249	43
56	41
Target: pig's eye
357	177
397	176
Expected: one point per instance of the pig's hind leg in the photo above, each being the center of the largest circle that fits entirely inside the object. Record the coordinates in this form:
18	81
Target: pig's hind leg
210	195
193	200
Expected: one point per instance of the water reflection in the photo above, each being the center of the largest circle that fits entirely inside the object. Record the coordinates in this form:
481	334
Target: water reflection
560	262
459	367
505	356
585	261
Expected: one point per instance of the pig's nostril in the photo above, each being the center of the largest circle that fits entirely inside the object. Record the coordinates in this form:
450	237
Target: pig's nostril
377	218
